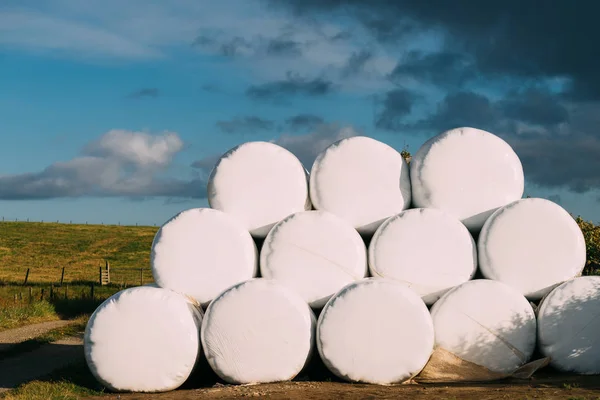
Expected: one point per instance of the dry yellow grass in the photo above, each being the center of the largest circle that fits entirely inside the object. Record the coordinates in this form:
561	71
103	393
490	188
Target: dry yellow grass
45	248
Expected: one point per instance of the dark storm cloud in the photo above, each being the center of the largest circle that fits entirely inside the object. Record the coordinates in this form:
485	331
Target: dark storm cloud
550	158
570	162
283	47
293	85
510	37
305	146
356	63
443	68
229	47
303	121
535	106
145	92
247	124
462	109
397	104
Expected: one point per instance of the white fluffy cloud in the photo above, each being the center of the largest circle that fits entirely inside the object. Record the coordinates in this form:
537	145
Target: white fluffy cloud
119	163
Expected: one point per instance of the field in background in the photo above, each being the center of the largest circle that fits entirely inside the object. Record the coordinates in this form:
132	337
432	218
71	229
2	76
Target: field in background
45	248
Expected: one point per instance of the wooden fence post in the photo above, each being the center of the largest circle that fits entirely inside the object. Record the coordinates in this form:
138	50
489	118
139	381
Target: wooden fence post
26	277
30	294
62	276
42	294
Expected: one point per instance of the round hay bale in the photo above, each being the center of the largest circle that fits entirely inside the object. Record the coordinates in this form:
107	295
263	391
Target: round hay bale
569	326
375	331
427	249
486	323
361	180
532	245
143	339
467	172
259	183
314	253
201	252
258	332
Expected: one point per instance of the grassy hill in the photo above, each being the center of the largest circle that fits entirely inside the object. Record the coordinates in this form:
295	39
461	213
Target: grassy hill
45	248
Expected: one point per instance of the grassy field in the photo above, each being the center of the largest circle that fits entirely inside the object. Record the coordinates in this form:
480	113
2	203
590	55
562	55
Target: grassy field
45	248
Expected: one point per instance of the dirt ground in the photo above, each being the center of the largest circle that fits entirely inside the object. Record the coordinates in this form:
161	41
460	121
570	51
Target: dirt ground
549	387
11	337
318	383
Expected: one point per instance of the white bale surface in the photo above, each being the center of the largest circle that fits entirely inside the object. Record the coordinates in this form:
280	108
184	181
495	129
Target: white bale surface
362	180
427	249
143	339
569	326
487	323
467	172
375	331
314	253
259	183
257	332
201	252
532	245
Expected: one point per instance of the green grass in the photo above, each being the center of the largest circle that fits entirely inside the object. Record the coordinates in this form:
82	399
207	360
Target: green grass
45	248
13	316
24	311
73	382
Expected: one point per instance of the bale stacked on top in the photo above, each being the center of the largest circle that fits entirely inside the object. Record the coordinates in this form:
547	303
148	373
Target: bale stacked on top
375	330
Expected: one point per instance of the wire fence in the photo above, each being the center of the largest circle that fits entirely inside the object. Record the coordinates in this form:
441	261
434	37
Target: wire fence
7	219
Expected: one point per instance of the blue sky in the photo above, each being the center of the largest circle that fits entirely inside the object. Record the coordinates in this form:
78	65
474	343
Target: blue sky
113	111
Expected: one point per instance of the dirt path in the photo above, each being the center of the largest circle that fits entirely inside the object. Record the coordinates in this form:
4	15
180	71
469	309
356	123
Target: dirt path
586	388
39	362
11	337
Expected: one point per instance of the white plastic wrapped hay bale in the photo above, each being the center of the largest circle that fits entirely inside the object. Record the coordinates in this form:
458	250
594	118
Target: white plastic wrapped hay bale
361	180
427	249
467	172
143	339
314	253
532	245
258	332
259	183
200	252
485	323
375	331
569	326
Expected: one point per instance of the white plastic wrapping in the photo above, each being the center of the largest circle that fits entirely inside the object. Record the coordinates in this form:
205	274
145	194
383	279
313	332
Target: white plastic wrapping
200	252
487	323
429	250
375	331
362	180
314	253
569	326
143	339
259	183
257	332
532	245
467	172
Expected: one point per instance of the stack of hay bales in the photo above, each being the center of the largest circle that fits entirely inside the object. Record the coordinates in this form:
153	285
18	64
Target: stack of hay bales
367	244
